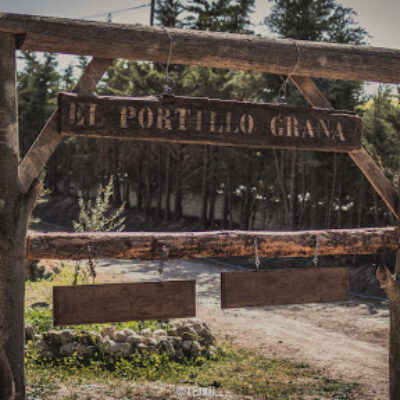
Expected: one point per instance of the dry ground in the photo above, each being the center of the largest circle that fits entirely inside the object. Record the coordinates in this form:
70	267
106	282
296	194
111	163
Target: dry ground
347	341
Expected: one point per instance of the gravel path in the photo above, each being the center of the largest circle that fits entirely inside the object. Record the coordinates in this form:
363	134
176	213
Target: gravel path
347	341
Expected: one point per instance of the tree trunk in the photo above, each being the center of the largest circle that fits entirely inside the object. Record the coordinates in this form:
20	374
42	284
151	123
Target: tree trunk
15	210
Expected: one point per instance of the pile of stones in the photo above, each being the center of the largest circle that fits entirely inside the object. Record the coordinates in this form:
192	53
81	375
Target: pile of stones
179	340
42	269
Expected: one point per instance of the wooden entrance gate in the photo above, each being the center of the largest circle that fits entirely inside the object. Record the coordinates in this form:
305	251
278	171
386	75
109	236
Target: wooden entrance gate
19	186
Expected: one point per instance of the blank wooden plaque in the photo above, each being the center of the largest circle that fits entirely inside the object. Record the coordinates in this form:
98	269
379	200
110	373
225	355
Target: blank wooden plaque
119	302
284	286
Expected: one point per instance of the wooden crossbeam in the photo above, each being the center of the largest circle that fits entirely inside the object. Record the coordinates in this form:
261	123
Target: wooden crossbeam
49	138
211	49
149	245
362	159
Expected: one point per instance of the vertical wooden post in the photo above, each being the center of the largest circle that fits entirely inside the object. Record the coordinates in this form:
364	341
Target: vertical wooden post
394	347
14	211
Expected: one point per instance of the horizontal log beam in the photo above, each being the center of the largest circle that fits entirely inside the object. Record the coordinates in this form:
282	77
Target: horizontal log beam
149	245
221	50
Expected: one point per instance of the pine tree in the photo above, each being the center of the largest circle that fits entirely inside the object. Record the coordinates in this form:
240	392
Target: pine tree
37	90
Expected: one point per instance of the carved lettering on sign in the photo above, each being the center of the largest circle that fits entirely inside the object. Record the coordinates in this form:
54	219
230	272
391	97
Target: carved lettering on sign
205	121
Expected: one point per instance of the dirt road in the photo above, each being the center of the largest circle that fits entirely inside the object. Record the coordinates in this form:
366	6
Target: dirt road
345	340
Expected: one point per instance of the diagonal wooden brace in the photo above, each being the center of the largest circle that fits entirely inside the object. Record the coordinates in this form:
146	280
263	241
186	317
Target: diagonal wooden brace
49	138
363	160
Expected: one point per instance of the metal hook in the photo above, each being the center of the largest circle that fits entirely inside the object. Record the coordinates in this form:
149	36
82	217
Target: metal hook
256	258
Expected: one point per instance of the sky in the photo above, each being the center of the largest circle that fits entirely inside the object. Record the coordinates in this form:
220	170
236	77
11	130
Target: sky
379	17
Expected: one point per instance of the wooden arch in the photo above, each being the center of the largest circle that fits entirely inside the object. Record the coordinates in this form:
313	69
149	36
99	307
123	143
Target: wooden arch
300	60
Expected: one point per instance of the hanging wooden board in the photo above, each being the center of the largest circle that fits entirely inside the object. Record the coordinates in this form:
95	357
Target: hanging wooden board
209	121
120	302
284	286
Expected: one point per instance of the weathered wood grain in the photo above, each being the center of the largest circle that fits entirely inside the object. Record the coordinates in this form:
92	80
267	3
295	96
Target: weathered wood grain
284	286
120	302
362	159
210	49
148	245
49	138
209	121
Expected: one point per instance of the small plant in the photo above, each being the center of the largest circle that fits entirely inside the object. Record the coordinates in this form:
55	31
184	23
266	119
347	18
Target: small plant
97	216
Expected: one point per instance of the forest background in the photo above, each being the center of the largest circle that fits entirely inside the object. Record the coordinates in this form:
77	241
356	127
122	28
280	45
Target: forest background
230	187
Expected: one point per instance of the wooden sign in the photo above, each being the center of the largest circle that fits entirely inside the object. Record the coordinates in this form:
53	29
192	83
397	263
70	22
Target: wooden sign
284	286
209	121
120	302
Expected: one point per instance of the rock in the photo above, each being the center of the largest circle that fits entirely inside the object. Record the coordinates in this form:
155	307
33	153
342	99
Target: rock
29	332
173	332
88	338
134	339
40	268
187	345
212	351
108	331
52	336
179	354
48	355
187	333
85	351
56	269
91	351
201	328
47	275
128	332
81	350
124	349
149	341
120	337
41	346
40	304
108	346
98	339
166	346
66	336
67	349
146	332
207	338
175	340
159	332
152	350
195	349
141	347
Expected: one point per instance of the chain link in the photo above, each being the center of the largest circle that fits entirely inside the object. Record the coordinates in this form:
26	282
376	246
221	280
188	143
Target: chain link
315	258
165	252
168	84
257	258
91	264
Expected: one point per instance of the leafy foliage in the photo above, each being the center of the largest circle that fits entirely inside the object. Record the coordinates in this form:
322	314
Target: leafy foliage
98	216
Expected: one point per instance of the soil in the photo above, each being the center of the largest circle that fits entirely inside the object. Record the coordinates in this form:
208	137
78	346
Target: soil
346	341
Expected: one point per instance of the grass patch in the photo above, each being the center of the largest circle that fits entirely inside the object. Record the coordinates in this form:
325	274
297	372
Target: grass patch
236	371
